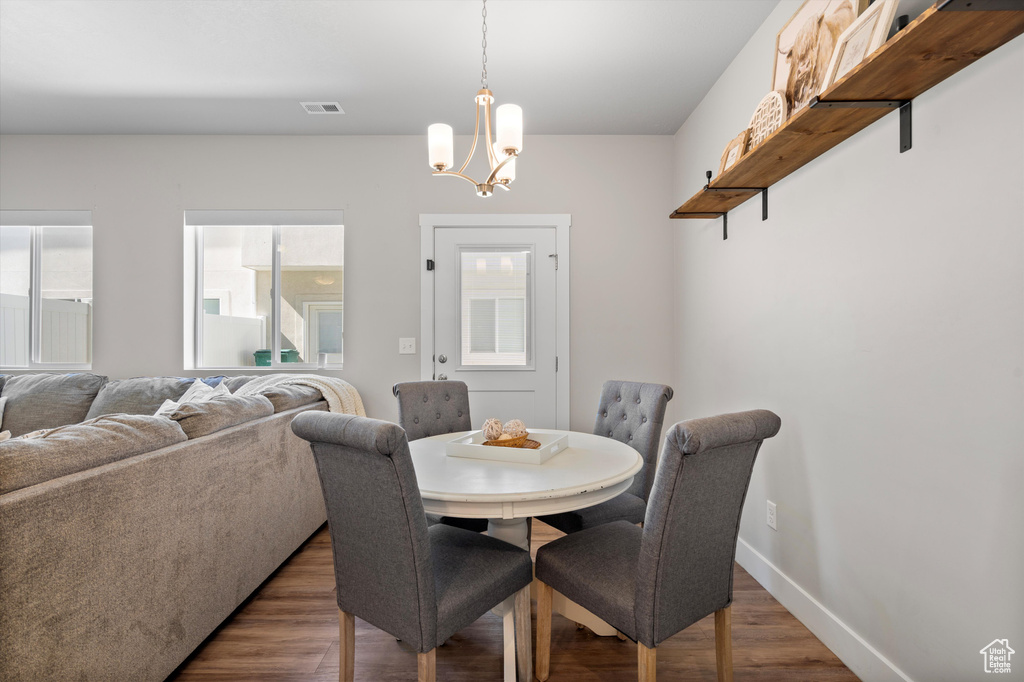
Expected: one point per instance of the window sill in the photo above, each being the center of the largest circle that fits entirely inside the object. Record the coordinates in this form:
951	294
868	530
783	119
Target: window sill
287	367
48	366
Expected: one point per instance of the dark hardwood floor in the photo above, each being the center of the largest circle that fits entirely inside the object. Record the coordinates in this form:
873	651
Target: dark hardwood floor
288	631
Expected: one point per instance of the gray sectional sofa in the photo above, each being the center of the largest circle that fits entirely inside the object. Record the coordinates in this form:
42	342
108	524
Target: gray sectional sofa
125	538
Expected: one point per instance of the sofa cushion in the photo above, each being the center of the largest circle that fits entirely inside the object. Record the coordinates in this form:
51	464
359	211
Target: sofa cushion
45	401
142	395
289	397
235	383
77	447
202	418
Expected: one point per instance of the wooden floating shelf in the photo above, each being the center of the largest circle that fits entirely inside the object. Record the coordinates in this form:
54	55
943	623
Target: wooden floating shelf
944	39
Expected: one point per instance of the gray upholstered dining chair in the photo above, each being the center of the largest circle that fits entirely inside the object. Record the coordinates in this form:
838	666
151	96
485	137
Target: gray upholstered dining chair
420	585
650	583
430	408
633	413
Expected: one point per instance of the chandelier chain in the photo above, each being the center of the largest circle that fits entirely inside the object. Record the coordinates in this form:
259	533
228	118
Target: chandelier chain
483	43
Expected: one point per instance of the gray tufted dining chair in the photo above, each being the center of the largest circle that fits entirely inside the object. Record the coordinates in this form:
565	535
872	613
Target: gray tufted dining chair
430	408
652	582
420	585
633	413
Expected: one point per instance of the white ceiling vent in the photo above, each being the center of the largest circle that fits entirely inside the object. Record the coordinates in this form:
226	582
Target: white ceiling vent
322	107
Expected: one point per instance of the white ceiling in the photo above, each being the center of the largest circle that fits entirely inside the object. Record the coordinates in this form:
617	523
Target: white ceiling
395	66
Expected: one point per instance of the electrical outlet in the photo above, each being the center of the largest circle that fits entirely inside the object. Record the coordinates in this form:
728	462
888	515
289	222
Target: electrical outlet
407	346
771	516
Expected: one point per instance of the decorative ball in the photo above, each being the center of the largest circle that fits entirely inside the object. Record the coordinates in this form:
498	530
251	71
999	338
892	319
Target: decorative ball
515	428
492	429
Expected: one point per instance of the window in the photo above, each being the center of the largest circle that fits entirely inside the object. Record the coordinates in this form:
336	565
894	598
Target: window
268	289
494	285
46	289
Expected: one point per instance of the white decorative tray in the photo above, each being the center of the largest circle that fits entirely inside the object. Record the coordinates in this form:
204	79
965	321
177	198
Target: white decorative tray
472	446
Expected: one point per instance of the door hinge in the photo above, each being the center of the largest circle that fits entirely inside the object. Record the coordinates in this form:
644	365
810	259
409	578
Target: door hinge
556	363
555	256
430	264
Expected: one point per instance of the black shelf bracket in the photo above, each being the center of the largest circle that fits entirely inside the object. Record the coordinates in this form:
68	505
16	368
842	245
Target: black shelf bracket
904	105
762	190
725	214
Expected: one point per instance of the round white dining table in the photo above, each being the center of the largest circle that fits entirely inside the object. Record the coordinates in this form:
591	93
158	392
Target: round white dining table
591	470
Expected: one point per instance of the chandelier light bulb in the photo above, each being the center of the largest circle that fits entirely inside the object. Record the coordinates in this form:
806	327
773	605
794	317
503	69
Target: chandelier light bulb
509	122
507	173
440	146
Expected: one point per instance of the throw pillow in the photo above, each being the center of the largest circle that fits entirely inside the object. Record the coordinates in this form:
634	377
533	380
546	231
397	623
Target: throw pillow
198	392
235	383
141	395
45	401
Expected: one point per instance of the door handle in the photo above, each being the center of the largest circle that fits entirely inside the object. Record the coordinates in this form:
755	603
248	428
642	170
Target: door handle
442	377
442	358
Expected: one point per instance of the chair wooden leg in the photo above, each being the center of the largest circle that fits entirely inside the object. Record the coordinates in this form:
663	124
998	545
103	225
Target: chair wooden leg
723	643
647	663
346	647
426	666
543	630
524	645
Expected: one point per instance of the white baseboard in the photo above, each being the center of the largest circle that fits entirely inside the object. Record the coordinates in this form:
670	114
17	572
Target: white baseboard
859	656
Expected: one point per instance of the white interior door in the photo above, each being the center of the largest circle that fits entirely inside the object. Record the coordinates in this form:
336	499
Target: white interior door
495	319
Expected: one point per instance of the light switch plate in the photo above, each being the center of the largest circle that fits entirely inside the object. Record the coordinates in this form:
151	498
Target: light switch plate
407	346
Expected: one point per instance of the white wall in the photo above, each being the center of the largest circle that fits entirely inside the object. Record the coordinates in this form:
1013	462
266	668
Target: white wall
139	186
880	312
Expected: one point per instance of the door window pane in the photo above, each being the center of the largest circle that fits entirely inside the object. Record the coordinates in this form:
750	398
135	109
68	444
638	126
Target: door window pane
330	324
481	325
511	325
15	278
494	291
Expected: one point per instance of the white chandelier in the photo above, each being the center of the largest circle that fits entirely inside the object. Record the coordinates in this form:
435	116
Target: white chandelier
501	155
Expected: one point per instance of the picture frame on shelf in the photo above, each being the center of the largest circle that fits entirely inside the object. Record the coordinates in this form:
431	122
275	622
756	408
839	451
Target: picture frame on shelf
804	47
868	33
770	114
734	151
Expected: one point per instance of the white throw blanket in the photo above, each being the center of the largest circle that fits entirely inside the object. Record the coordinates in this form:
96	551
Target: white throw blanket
340	395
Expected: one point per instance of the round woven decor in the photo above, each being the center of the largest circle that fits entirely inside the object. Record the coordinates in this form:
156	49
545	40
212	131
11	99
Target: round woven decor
767	118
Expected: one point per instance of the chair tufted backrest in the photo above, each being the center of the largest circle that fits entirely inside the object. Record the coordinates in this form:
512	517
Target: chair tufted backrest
688	548
382	563
429	408
634	413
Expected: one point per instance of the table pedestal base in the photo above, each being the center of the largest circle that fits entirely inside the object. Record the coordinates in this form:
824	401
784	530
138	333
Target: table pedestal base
515	532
